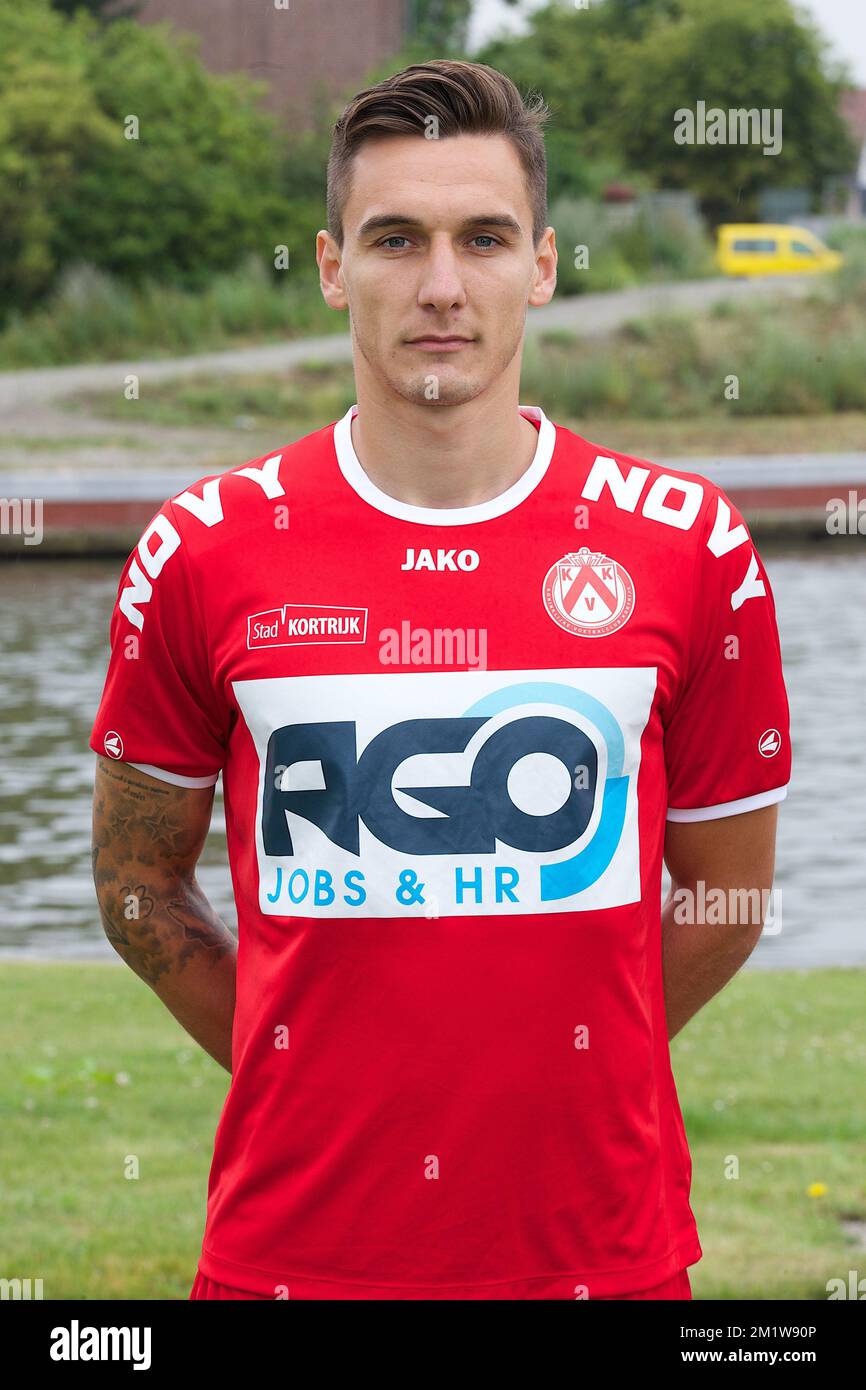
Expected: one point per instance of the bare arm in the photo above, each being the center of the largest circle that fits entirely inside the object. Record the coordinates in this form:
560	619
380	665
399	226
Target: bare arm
147	838
699	957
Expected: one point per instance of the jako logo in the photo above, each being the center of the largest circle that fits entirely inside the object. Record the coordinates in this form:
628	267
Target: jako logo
769	743
443	560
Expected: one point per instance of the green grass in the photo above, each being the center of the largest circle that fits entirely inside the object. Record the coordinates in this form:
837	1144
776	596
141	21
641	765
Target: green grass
94	317
758	376
715	435
43	443
96	1070
71	1033
289	405
304	399
756	358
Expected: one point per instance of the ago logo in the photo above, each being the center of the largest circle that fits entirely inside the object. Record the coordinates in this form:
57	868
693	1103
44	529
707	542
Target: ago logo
477	791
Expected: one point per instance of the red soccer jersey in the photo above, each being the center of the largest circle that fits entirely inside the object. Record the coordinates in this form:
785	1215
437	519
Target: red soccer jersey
449	741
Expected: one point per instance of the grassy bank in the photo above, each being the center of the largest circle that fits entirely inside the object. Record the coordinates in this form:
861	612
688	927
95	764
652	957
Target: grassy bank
757	375
96	1071
94	317
749	360
272	408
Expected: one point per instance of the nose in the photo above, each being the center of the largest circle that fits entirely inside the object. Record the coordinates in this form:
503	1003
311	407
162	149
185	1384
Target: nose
441	284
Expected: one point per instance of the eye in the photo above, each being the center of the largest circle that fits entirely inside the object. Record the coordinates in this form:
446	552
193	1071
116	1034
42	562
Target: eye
480	236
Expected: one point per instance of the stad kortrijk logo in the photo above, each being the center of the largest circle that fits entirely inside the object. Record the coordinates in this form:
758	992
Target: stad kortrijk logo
588	594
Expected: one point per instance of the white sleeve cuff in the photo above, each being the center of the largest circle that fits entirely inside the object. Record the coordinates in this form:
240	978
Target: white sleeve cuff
728	808
176	778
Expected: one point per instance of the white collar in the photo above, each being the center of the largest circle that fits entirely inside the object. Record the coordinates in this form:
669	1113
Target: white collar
364	486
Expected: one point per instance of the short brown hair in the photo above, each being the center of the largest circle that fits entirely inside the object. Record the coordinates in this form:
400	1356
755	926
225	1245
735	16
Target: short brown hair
465	98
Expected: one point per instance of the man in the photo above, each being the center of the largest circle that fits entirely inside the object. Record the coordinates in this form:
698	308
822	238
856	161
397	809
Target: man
466	676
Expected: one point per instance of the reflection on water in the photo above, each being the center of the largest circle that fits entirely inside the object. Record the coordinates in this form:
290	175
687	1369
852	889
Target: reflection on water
54	644
53	640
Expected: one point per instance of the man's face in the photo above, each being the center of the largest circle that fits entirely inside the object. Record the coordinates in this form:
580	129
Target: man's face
454	257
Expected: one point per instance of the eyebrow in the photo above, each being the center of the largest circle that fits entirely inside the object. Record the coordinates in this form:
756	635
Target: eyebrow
400	219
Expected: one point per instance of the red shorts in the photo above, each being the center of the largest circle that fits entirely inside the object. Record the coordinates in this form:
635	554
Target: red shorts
676	1287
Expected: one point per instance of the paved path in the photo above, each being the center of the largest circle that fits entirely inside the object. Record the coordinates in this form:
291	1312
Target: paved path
585	315
105	478
41	437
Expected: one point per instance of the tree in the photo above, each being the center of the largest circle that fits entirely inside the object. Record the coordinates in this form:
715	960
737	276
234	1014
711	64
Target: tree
101	9
566	54
735	57
118	147
632	17
615	75
48	116
438	26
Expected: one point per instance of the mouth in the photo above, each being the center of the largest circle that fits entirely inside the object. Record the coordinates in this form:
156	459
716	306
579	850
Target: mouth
436	344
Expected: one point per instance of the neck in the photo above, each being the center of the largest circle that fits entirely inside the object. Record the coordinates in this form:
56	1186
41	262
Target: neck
435	455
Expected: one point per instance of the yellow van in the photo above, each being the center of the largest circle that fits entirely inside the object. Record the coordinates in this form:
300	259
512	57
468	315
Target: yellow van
764	248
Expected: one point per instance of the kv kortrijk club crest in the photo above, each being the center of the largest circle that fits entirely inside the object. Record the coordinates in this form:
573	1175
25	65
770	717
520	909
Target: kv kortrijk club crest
588	594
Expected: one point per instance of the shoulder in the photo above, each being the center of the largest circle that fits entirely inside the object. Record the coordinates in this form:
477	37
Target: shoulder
224	508
655	495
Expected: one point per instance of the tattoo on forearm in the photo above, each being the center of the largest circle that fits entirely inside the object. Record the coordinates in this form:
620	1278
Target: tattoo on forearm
167	933
162	924
200	934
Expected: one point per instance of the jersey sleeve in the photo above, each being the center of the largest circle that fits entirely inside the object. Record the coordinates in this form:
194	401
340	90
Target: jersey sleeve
727	740
159	709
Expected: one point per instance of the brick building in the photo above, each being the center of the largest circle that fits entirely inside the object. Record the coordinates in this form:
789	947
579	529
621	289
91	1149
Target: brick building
853	109
304	43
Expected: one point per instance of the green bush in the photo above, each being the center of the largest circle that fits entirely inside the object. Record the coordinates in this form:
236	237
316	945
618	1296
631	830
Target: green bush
199	188
93	316
791	358
847	237
625	247
666	242
848	284
49	117
785	373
